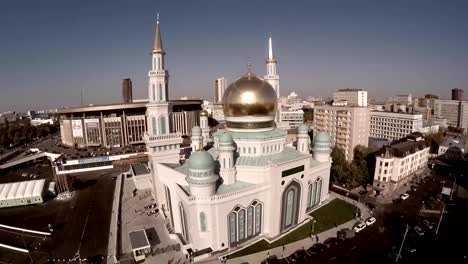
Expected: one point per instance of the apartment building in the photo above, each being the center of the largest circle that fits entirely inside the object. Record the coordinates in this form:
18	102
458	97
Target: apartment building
390	125
347	126
395	164
353	97
454	111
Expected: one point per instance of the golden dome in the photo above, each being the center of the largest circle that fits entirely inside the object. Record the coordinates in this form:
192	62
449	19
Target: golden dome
249	102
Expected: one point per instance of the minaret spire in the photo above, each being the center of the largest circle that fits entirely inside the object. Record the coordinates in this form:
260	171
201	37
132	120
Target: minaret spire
157	37
271	57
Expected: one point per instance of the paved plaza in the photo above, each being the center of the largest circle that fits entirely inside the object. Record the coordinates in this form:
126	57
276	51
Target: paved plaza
134	217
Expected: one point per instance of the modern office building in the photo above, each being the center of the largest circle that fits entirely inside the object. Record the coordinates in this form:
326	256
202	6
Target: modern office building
396	163
353	97
347	126
127	91
118	125
292	118
390	125
242	199
457	94
220	87
455	112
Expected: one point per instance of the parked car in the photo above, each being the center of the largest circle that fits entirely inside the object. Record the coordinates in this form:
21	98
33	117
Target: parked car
331	241
419	231
428	224
345	233
359	226
404	196
316	248
300	256
371	220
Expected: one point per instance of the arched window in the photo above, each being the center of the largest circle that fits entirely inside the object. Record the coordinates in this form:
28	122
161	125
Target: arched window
162	121
154	63
250	212
241	224
258	218
202	221
232	228
160	91
290	202
290	207
183	221
309	195
318	191
159	63
153	123
154	93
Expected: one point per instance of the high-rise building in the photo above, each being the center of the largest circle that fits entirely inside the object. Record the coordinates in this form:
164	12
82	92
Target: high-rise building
220	87
353	97
127	90
347	126
457	94
455	112
390	125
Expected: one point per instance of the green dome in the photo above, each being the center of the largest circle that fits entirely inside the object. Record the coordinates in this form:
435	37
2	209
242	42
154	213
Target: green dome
303	128
200	160
225	138
203	113
196	130
322	137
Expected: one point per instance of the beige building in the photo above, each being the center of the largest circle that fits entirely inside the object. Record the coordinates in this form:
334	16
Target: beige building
347	126
353	97
456	112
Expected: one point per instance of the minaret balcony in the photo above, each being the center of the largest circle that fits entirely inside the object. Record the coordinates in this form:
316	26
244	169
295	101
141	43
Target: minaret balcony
162	140
156	73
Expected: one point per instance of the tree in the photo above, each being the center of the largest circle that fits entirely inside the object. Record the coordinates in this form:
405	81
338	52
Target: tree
340	171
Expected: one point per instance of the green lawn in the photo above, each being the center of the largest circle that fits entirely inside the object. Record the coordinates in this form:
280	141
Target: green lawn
335	212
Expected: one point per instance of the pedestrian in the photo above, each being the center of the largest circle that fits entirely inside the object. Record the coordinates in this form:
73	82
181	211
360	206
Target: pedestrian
316	238
310	235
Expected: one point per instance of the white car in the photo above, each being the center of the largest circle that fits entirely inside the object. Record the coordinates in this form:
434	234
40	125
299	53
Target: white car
370	221
404	196
359	227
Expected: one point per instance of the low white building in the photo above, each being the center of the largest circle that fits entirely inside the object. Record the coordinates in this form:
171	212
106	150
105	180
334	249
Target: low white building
391	125
352	97
141	176
292	118
396	163
452	148
22	193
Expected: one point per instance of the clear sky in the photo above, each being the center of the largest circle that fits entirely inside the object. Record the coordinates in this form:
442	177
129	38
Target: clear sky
50	50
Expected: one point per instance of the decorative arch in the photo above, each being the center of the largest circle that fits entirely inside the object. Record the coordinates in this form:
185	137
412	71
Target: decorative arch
154	125
183	222
245	223
162	125
290	205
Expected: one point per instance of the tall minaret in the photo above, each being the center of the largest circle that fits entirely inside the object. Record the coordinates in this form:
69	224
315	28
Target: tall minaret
158	109
272	77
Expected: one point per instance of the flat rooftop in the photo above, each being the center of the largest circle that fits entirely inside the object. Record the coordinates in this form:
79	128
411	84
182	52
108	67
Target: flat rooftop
139	169
138	239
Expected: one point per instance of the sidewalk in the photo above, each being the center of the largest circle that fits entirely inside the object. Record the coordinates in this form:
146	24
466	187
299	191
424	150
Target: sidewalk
305	243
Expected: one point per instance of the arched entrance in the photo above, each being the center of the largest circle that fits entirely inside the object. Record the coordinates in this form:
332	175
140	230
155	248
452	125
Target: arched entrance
290	204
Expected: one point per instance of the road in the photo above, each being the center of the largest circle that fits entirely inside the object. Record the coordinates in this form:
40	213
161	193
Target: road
380	242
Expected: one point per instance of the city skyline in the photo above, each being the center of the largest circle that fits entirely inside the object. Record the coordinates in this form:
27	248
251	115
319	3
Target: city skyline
385	49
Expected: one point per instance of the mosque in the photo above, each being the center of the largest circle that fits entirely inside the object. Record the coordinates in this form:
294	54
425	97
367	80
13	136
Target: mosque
242	182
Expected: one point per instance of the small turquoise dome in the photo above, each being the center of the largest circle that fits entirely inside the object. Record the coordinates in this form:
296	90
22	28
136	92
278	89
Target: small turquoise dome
225	138
303	129
196	131
200	160
322	137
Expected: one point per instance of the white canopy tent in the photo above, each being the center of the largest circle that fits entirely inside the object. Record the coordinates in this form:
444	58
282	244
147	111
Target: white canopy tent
22	193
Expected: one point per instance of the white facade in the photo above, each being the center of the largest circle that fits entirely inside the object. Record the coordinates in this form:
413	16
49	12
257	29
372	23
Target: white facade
396	163
219	86
353	97
21	193
390	125
260	187
292	118
347	126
